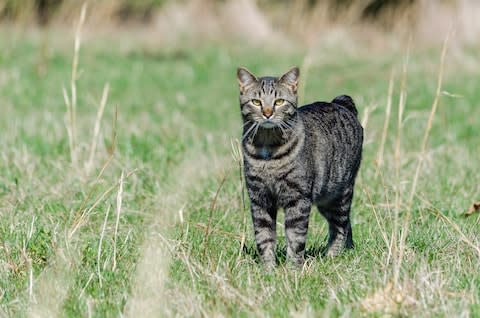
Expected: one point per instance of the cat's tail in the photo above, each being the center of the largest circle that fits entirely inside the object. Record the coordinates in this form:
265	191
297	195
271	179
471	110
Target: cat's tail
347	102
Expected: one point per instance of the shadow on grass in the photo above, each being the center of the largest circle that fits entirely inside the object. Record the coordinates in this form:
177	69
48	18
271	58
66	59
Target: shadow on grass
281	252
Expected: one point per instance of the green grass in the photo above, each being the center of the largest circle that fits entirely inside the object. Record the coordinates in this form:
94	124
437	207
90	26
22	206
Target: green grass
177	115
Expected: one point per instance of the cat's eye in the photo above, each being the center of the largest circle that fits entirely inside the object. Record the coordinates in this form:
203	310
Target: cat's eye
279	102
256	102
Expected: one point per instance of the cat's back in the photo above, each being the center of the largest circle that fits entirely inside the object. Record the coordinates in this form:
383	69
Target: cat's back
333	134
334	117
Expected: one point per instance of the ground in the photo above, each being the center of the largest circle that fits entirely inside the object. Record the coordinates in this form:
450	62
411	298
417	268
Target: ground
150	215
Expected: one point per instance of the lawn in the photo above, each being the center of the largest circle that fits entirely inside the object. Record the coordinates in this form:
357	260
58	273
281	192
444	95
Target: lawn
143	212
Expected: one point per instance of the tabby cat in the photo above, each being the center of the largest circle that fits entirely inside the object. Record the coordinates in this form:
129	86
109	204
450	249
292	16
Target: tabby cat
295	157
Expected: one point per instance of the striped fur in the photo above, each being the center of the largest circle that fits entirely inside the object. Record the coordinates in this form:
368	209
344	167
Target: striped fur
295	158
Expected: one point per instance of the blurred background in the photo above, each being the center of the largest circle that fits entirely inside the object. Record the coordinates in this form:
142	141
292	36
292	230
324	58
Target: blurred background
303	21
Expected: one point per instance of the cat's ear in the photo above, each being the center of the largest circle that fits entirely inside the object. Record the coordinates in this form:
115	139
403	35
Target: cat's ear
245	78
291	78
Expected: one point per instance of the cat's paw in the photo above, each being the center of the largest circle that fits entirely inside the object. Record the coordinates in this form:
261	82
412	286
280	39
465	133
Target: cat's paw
333	251
336	247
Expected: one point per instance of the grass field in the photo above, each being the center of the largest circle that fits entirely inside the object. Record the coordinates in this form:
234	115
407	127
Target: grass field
153	220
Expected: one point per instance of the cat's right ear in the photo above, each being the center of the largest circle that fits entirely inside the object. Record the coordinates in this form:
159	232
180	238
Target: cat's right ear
291	79
245	78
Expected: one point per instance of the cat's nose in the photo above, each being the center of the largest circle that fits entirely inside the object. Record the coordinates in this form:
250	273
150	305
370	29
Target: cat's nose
267	112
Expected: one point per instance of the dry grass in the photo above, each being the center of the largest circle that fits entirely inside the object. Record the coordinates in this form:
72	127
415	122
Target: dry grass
151	296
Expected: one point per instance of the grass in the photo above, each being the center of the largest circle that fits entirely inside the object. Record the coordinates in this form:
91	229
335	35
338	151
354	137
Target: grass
181	239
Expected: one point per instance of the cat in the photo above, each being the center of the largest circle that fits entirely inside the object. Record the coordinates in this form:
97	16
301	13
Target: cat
295	157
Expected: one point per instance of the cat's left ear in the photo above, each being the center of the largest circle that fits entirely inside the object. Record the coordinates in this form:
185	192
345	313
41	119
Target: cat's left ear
291	78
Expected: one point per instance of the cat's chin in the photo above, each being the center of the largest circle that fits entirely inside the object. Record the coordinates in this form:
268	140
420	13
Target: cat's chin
268	125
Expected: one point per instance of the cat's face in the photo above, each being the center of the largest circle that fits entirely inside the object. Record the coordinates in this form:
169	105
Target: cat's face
268	101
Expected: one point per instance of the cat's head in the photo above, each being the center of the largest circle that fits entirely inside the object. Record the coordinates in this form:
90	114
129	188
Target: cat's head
268	101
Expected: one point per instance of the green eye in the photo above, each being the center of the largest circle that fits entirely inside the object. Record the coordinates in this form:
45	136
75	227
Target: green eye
256	102
279	102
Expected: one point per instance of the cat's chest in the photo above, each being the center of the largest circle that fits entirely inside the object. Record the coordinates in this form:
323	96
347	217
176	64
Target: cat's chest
273	171
268	153
278	179
264	152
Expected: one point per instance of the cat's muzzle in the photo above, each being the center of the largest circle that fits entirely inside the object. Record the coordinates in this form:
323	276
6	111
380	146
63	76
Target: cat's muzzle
268	124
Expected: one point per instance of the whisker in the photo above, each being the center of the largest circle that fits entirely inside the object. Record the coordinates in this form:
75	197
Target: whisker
287	125
256	130
249	130
247	122
290	122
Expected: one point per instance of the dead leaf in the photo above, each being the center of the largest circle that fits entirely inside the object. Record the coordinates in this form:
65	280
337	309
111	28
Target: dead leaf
474	208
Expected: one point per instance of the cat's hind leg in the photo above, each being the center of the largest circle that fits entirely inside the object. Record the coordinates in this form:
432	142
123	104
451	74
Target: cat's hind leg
339	225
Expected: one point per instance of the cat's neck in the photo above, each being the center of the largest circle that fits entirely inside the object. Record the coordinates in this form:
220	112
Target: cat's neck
270	137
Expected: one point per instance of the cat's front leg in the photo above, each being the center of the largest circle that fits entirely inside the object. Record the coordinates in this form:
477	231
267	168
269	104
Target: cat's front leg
264	223
297	213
